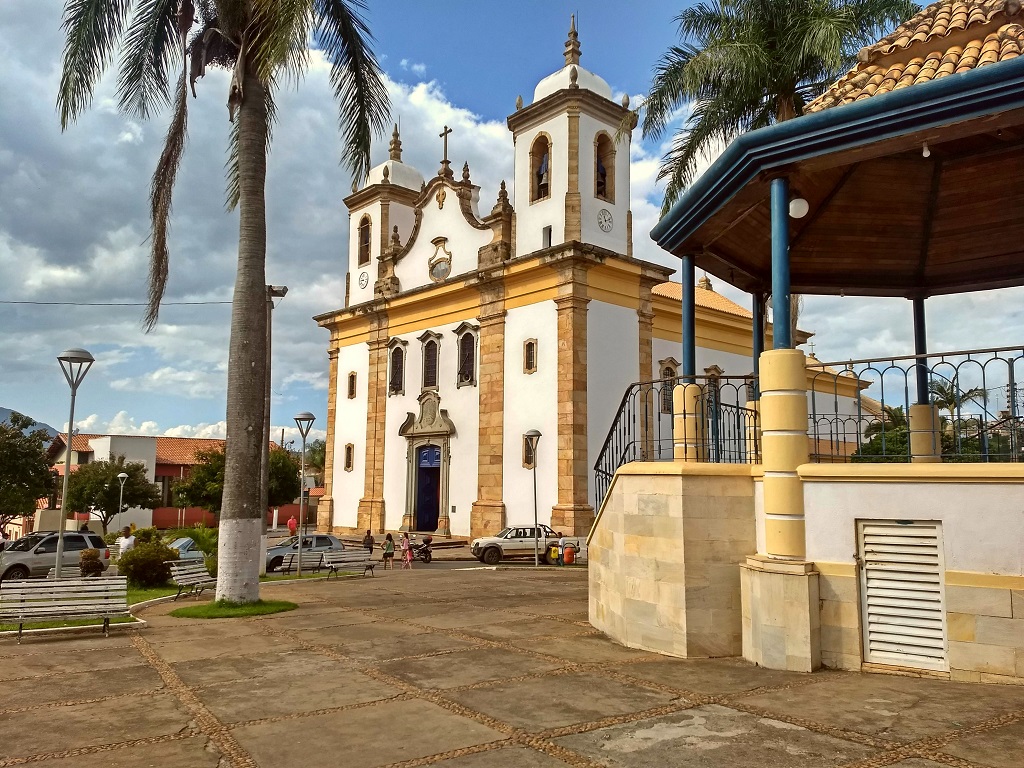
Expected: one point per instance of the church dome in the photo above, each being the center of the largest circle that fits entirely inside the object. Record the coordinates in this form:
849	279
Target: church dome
572	73
393	170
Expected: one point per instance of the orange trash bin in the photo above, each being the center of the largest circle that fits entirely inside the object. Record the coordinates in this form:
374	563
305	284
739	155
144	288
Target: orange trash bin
569	555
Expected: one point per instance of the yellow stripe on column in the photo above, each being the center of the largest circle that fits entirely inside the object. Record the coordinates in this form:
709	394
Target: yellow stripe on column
784	411
784	537
783	494
783	452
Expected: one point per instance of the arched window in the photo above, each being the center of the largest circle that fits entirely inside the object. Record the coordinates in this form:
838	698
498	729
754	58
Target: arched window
350	451
364	241
669	374
430	364
396	381
352	385
604	168
540	169
467	360
530	356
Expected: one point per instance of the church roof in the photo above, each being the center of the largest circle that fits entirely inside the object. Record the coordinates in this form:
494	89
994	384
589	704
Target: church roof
393	170
705	297
572	75
945	38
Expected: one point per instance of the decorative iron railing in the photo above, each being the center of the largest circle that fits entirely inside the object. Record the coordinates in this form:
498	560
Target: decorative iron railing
643	428
859	409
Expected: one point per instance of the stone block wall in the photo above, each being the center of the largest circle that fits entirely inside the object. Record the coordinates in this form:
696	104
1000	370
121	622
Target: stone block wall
664	557
840	616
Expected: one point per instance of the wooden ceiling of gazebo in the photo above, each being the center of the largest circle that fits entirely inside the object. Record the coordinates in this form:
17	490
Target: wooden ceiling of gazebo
894	218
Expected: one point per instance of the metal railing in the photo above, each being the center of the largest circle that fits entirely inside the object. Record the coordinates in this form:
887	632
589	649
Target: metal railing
859	409
643	428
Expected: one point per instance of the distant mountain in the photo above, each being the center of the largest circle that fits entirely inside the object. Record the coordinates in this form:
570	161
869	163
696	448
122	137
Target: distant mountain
5	415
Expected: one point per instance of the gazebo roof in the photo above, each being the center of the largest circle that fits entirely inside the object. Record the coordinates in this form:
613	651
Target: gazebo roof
911	164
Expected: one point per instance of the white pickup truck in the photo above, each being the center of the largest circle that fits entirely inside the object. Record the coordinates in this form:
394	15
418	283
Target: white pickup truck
518	541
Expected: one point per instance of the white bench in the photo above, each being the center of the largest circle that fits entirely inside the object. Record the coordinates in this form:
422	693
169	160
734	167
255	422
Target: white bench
310	562
27	602
191	575
349	558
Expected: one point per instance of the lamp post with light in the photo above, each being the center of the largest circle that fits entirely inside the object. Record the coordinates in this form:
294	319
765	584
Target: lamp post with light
532	438
74	364
122	476
304	421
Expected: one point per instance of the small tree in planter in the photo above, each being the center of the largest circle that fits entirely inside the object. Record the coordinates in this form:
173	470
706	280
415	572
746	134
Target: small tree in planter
89	564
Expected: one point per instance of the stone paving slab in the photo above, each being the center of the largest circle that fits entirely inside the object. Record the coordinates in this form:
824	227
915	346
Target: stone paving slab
998	748
542	703
70	661
466	668
193	752
363	738
78	686
509	757
404	645
585	650
712	736
207	648
220	669
715	676
898	708
526	630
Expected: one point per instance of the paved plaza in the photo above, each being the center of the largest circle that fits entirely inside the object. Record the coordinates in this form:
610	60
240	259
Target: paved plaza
462	669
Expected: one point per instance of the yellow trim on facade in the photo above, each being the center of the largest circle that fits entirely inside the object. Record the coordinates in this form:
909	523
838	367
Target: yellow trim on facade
912	473
683	468
983	580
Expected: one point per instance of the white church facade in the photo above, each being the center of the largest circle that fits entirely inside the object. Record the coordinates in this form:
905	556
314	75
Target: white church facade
464	328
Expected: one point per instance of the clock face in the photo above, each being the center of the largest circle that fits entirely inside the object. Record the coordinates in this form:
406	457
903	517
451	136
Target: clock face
364	279
439	270
604	220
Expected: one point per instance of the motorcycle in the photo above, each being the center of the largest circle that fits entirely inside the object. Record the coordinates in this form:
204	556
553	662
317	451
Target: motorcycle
422	550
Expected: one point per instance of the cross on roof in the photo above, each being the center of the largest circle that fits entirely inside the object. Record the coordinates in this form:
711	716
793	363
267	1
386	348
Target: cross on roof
446	170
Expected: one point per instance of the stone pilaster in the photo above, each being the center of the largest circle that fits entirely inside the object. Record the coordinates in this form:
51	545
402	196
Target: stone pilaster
573	201
325	508
370	514
650	407
488	515
573	513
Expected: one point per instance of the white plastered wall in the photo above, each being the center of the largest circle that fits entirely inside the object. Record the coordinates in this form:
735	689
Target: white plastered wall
982	523
531	218
358	295
350	427
531	402
615	240
463	407
136	449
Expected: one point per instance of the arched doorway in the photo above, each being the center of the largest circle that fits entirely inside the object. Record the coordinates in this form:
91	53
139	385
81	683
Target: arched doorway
427	500
428	458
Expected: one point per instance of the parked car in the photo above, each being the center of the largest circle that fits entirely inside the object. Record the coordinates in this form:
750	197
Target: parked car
311	542
187	549
518	542
36	554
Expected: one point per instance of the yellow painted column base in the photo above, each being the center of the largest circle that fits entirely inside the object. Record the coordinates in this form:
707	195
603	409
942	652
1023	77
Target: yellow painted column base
925	434
688	426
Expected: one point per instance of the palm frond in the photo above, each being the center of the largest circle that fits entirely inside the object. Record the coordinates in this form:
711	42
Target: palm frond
363	104
160	195
93	29
150	48
279	37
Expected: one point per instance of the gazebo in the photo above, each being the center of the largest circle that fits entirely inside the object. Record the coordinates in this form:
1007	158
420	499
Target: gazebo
904	180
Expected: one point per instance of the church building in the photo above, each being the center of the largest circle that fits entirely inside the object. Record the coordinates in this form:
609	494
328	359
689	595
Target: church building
463	329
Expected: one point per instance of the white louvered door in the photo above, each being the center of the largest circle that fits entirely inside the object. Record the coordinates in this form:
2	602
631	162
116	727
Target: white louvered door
903	612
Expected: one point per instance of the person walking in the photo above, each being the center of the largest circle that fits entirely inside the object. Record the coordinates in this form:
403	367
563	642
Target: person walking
293	525
126	540
368	543
406	551
389	552
561	548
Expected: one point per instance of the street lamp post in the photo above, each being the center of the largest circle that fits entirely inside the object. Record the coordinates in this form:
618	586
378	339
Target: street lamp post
304	421
532	438
122	476
273	292
74	364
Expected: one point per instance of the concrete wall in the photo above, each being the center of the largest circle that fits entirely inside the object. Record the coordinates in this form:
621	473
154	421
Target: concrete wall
350	427
664	556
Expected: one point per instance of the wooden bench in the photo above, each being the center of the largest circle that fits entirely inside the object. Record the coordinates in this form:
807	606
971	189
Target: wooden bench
191	575
27	602
349	558
310	562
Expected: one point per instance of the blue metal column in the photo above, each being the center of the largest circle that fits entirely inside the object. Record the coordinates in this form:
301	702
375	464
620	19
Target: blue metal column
689	321
781	337
759	309
921	348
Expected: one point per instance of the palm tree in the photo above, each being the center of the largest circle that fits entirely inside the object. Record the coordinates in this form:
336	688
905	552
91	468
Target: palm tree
263	42
745	64
948	396
893	419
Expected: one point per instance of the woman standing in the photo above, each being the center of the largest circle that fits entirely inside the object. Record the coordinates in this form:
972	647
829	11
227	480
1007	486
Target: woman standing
406	551
389	552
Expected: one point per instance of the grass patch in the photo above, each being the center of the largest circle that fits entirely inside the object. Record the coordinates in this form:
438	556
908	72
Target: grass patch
139	594
228	610
66	624
292	576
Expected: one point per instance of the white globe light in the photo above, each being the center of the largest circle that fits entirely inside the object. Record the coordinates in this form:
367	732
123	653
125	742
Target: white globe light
798	208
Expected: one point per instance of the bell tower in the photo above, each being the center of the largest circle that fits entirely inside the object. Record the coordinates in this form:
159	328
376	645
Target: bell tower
572	161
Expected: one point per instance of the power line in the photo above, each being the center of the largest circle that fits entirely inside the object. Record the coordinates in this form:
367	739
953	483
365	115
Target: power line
111	303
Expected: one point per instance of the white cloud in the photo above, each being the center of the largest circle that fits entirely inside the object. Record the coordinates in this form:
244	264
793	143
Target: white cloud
415	68
192	383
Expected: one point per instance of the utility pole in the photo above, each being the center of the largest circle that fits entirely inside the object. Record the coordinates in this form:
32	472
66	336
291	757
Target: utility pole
273	292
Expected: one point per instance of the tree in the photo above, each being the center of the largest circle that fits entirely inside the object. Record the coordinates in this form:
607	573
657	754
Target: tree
745	64
204	485
893	419
25	474
948	396
95	488
316	458
263	42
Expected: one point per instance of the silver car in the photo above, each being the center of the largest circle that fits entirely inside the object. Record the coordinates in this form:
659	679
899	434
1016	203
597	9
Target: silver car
36	554
311	542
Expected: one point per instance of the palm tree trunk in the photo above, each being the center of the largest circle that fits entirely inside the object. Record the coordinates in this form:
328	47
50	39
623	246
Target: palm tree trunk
241	516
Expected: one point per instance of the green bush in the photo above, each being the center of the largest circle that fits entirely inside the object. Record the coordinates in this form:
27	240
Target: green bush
145	565
110	538
146	535
89	564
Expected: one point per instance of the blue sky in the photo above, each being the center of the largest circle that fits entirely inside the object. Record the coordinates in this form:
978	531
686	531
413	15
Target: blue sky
73	210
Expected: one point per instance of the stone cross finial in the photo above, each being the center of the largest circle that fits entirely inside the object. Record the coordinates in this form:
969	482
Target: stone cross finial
572	45
465	172
395	149
446	170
